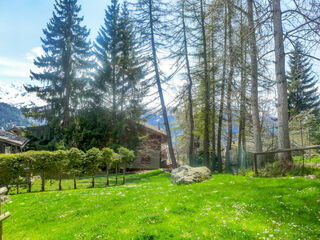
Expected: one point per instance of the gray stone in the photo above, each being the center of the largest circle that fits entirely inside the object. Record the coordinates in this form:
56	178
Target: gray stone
311	177
187	174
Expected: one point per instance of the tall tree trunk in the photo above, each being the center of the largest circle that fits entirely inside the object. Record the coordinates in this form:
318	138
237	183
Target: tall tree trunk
243	87
285	160
254	84
163	105
230	78
229	87
93	182
67	83
190	105
222	94
206	143
213	124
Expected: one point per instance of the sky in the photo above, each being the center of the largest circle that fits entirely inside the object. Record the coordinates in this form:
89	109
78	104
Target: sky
21	24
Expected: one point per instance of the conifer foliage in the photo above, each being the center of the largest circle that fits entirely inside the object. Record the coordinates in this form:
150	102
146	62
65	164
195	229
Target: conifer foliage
64	67
302	83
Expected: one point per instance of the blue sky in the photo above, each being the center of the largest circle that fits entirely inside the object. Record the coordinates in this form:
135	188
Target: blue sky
21	24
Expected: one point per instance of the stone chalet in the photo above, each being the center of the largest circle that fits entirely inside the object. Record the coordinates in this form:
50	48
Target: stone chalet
152	151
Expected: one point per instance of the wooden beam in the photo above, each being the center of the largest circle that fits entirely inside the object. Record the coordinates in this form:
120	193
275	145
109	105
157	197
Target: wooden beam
4	216
289	150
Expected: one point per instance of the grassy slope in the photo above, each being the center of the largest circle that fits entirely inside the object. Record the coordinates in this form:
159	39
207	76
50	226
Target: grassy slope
150	207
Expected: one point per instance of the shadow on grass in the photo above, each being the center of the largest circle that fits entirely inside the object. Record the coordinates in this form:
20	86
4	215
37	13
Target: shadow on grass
84	182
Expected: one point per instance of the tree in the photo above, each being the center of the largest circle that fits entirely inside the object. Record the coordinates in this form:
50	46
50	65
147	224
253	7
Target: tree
92	163
61	162
107	51
220	118
285	160
206	142
127	156
116	161
64	66
44	165
302	91
75	164
254	82
151	26
107	156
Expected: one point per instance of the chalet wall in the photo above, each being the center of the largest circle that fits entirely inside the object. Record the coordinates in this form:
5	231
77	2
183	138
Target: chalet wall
151	151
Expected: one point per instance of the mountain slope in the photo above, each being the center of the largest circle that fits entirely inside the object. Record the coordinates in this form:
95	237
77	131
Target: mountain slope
11	116
16	95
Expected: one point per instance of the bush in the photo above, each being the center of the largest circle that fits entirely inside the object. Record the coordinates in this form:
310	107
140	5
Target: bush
19	168
75	164
92	162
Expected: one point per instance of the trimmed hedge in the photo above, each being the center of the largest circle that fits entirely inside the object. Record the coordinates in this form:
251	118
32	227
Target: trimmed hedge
19	168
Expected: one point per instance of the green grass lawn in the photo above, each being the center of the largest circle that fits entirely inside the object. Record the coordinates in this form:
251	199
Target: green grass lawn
150	207
313	160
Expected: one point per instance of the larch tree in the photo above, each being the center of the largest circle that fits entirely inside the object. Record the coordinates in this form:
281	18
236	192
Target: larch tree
285	160
205	82
254	82
151	26
222	97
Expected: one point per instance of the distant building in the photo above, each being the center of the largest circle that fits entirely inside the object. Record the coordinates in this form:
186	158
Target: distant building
11	143
152	151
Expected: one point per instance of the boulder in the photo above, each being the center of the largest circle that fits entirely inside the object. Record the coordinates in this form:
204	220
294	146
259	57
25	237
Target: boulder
187	174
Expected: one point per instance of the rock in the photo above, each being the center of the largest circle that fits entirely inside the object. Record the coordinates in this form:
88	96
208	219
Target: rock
311	177
187	174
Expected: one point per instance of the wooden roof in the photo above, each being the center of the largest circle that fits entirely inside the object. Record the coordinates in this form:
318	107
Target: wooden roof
13	139
153	128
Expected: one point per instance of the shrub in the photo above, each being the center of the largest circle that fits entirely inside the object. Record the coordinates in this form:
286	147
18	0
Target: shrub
107	155
127	157
60	162
92	162
75	164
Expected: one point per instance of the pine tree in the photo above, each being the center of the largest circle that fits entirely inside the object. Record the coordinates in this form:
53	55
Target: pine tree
64	66
131	68
107	51
302	88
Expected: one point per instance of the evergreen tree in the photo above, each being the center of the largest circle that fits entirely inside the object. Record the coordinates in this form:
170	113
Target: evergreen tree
64	66
107	50
302	88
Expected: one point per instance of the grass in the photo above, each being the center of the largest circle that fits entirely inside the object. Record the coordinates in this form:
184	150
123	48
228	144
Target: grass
150	207
298	159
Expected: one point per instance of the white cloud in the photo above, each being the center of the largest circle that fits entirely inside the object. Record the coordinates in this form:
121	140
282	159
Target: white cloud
10	67
35	52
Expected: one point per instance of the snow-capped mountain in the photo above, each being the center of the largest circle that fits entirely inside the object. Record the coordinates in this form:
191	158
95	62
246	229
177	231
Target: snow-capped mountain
16	95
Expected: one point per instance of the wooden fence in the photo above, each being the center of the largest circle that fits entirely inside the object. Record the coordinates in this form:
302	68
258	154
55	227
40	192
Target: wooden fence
3	200
302	149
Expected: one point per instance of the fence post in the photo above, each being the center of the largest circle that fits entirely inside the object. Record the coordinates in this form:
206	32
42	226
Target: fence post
5	215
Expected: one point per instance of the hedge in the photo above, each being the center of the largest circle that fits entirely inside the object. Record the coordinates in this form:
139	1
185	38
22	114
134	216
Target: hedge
19	168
